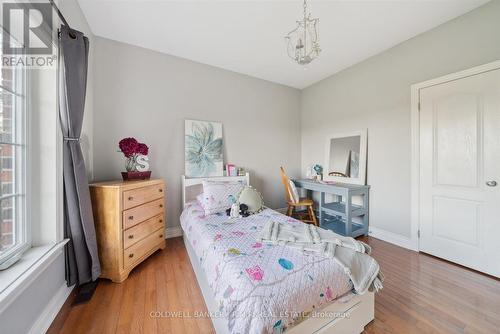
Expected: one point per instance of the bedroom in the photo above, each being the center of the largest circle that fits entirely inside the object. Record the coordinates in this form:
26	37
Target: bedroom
153	67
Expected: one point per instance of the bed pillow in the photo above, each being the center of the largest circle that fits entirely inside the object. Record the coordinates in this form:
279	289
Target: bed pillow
251	198
218	196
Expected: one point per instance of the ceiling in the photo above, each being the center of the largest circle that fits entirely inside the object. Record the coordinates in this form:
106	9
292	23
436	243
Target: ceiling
247	36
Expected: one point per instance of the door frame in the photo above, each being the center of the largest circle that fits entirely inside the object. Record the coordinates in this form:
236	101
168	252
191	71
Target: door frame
415	139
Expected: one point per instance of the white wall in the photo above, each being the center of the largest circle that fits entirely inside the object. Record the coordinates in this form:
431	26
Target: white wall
24	313
148	95
375	94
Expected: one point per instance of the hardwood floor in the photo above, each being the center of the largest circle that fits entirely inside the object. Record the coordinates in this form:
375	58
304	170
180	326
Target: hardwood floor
421	294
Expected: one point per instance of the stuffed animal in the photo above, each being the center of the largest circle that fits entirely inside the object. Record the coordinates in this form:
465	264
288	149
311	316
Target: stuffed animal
235	212
244	210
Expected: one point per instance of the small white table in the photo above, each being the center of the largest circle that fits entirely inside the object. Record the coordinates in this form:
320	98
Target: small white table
338	215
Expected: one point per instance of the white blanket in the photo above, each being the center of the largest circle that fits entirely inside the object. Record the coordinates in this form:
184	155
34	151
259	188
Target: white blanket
351	254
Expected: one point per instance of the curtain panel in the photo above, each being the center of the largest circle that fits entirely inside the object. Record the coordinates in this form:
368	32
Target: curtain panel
82	261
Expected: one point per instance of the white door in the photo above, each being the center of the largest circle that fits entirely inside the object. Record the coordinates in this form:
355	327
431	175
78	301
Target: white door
460	171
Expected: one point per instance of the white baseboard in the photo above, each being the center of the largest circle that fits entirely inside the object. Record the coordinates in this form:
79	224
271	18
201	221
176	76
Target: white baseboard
392	238
172	232
48	315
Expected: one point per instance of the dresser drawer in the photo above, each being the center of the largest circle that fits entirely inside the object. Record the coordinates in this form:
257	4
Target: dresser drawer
142	230
141	248
142	195
139	214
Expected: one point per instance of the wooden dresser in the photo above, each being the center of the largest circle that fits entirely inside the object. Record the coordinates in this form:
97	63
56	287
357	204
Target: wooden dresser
129	219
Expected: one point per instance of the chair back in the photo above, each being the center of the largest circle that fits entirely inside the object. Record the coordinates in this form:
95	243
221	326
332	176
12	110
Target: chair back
286	184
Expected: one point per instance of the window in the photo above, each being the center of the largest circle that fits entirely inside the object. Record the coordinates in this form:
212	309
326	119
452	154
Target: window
14	236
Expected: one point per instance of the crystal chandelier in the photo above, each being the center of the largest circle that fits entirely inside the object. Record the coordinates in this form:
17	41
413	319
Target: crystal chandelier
303	41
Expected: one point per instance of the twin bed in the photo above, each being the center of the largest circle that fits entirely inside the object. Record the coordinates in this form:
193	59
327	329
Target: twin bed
251	287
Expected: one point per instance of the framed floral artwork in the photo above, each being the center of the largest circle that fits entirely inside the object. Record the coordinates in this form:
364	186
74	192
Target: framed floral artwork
203	149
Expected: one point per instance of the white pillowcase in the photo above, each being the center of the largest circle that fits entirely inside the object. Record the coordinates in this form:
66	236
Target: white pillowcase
218	196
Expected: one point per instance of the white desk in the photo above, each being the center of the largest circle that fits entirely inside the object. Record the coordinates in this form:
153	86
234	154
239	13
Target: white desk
338	215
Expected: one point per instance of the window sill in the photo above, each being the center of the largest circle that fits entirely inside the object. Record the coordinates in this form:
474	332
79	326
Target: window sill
34	261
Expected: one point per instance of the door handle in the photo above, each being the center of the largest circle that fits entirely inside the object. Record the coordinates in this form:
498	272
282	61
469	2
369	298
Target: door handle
491	183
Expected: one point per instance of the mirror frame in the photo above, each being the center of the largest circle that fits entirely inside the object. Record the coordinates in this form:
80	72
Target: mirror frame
363	142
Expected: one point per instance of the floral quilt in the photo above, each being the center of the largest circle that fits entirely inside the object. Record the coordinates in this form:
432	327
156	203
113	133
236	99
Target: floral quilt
260	288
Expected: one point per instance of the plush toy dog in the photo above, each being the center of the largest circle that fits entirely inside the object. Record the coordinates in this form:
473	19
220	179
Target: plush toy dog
244	210
235	212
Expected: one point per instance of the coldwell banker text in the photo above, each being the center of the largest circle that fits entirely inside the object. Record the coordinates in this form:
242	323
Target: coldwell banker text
27	37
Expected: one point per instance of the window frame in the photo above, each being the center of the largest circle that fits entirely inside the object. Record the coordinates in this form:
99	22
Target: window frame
21	167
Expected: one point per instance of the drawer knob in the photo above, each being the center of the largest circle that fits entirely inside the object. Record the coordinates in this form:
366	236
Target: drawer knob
161	205
131	255
161	220
131	236
161	236
130	217
130	198
160	190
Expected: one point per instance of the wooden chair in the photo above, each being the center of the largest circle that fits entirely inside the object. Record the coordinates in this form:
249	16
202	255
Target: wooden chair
310	217
337	174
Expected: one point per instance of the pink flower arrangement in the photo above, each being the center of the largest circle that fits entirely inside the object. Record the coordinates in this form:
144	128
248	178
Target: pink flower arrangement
136	162
142	149
130	147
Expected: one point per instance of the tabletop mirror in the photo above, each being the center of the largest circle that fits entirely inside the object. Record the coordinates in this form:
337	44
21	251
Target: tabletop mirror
345	157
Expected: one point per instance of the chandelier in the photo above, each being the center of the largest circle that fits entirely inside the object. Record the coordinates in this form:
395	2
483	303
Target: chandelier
303	41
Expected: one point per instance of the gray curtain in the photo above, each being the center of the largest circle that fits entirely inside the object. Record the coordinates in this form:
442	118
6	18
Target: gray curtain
82	261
